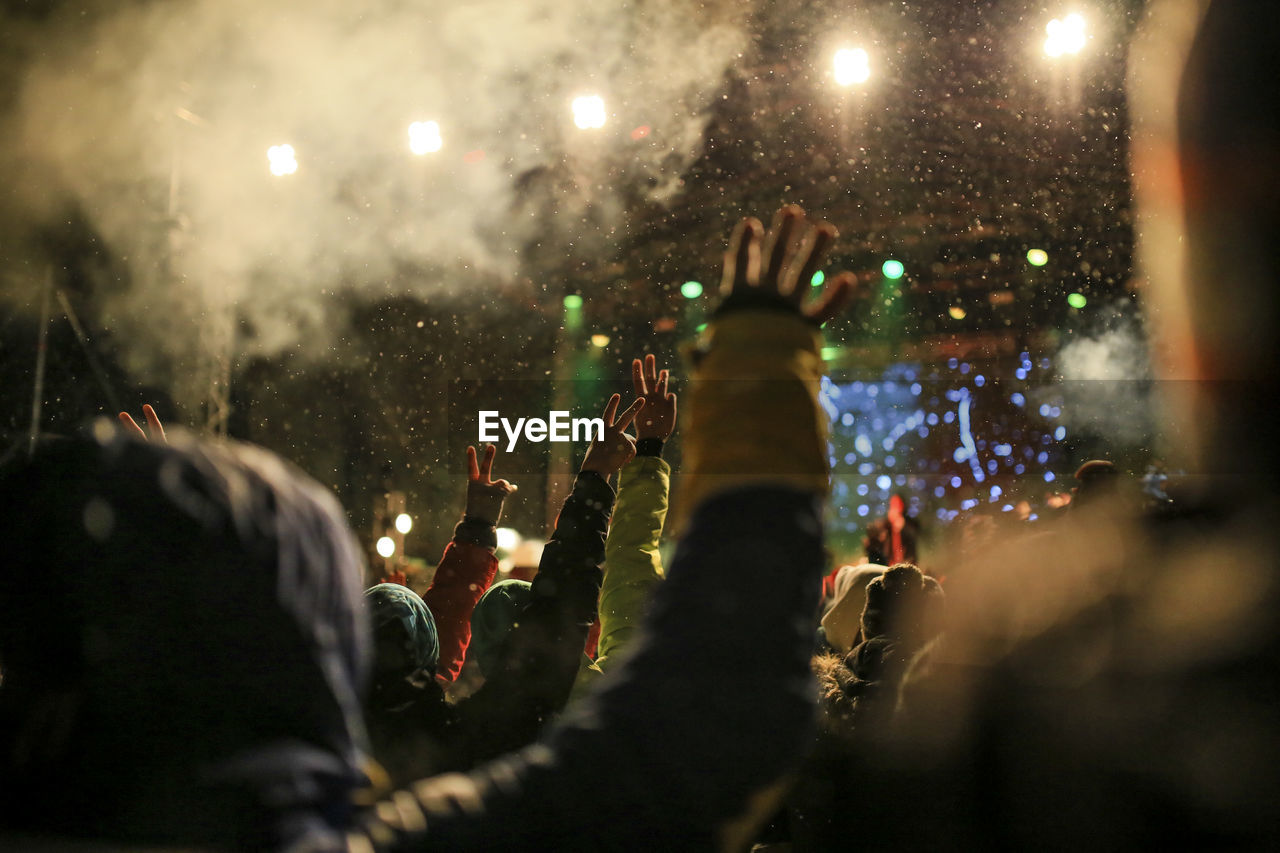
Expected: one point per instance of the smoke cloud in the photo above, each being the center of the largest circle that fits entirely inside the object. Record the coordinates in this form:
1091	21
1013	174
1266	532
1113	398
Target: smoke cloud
1107	381
153	120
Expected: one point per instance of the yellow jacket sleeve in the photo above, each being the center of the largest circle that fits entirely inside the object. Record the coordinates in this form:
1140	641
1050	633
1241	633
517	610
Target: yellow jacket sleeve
632	564
754	415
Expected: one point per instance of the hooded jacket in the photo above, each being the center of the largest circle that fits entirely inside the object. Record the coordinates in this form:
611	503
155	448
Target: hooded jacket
184	646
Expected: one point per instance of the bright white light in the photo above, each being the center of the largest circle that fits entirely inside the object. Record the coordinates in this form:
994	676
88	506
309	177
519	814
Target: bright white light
424	137
852	65
386	546
282	160
508	538
404	523
1065	36
588	112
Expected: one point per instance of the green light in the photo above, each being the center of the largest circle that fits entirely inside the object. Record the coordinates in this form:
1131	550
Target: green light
1077	300
892	269
700	327
691	289
1037	257
830	353
818	278
573	302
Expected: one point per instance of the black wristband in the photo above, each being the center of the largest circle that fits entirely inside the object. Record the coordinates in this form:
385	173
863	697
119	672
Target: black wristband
597	476
756	299
649	447
476	531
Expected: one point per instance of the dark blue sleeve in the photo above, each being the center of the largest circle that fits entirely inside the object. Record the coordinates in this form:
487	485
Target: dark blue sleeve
714	703
539	658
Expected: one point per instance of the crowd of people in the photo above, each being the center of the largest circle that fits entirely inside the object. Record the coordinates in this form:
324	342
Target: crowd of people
189	660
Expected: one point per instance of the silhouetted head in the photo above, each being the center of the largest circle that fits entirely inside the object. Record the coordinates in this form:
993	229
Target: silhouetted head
184	645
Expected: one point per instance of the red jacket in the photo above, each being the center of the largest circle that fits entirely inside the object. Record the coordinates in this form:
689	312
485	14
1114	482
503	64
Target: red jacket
466	570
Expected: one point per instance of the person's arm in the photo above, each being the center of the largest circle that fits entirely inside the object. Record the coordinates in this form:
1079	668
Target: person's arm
539	659
715	702
632	564
468	565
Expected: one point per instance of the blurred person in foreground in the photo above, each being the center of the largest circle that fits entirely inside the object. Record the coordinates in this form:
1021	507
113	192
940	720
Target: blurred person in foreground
1114	683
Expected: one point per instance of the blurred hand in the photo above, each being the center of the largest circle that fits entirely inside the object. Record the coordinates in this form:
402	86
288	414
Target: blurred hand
607	456
793	251
396	577
155	432
485	496
658	420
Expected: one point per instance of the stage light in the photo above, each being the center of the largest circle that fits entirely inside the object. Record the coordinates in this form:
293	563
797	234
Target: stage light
818	278
830	353
852	66
1065	36
599	341
386	547
956	312
892	269
573	302
691	289
404	523
282	160
508	538
1077	300
424	137
1037	257
588	112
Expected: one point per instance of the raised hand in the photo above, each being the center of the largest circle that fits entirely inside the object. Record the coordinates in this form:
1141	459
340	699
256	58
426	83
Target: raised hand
154	428
658	420
779	273
607	456
485	496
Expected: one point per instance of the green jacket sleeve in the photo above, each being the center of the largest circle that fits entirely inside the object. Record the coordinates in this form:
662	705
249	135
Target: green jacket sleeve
632	565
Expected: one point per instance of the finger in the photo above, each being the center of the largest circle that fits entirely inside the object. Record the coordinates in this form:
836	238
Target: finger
611	408
780	248
742	259
506	486
629	415
809	258
637	378
473	470
486	464
650	371
131	425
660	387
835	298
671	401
154	426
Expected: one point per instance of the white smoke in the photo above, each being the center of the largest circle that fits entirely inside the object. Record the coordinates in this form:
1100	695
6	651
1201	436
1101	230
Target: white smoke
1107	381
152	115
